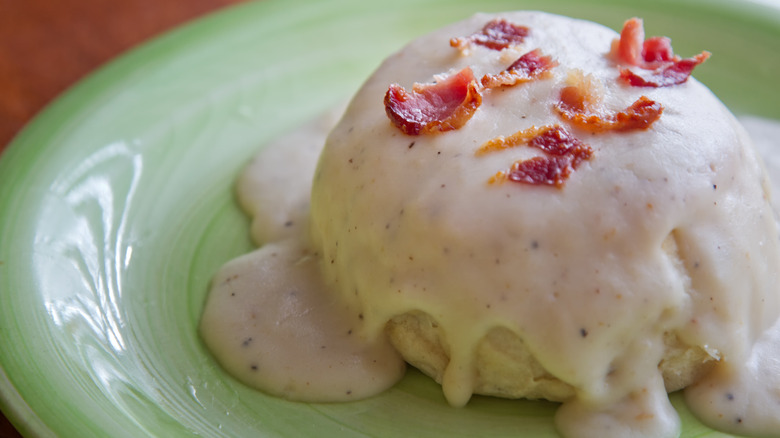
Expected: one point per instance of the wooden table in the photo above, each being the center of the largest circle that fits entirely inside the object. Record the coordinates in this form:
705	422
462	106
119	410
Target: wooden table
46	46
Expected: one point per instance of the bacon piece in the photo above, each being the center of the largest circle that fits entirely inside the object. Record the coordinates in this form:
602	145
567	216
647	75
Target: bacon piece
497	34
551	171
574	108
444	106
560	142
572	100
583	91
563	153
628	48
654	54
672	73
518	138
657	49
640	115
530	66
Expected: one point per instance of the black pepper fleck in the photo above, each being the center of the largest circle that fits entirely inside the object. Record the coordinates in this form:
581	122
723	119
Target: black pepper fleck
411	145
246	342
534	244
253	367
583	332
288	224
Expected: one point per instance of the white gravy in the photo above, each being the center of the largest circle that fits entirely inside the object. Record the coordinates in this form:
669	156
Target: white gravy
746	400
270	323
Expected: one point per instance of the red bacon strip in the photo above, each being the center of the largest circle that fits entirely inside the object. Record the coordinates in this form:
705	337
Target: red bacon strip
673	73
556	140
657	49
628	48
497	34
654	54
563	153
551	171
573	107
530	66
443	106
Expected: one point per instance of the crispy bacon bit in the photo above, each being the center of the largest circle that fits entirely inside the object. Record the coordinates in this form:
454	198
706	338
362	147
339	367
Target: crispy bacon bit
672	73
628	48
497	34
563	153
582	91
530	66
551	171
517	139
575	108
558	141
573	99
657	49
640	115
429	108
654	54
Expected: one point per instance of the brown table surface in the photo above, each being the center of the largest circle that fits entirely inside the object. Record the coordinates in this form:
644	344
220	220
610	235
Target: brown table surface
46	46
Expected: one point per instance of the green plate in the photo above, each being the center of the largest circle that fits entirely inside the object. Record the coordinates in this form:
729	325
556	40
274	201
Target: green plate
116	208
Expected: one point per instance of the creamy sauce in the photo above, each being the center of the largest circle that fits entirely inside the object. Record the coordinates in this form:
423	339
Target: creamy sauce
746	400
316	353
296	318
238	319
